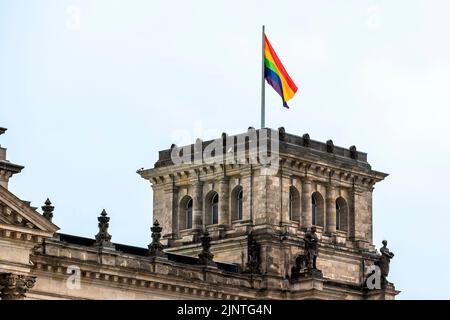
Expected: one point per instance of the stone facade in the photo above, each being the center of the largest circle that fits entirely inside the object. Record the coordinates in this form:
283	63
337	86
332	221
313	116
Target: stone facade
224	230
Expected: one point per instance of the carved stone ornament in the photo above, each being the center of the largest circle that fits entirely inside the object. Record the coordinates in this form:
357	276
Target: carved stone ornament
47	210
15	286
103	238
156	249
206	257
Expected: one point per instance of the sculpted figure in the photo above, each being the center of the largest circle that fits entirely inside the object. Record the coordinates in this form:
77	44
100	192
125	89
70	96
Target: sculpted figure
384	261
311	252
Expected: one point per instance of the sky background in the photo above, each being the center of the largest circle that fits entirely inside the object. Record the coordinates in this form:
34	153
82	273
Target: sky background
91	90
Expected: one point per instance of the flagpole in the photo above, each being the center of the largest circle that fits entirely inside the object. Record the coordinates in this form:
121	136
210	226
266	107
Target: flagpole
263	95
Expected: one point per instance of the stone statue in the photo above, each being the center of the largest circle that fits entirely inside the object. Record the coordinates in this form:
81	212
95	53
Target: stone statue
305	264
298	267
254	255
311	252
384	261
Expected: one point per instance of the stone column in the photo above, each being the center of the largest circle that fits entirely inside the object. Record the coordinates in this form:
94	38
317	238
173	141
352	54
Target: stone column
15	286
171	209
330	210
285	186
197	212
224	195
306	205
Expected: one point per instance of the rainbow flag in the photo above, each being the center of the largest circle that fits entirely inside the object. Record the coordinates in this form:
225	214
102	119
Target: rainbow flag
276	75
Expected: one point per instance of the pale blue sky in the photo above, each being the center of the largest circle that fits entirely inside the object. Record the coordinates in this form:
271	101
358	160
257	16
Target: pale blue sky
89	99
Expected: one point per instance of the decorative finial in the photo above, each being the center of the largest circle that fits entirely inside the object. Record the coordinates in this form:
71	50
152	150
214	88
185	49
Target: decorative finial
353	153
155	248
103	238
47	210
206	257
330	146
306	140
282	133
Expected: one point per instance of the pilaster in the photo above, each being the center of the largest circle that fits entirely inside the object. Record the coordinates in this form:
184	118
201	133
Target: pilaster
197	223
330	210
306	220
224	194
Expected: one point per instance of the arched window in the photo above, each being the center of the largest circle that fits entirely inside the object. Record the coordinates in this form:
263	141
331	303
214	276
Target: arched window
341	214
211	208
185	213
317	209
239	205
314	210
294	204
188	214
215	209
236	203
338	215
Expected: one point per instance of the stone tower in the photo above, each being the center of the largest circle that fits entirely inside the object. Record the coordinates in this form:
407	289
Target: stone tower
257	193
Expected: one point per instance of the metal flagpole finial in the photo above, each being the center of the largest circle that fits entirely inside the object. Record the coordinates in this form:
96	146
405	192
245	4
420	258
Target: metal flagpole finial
263	95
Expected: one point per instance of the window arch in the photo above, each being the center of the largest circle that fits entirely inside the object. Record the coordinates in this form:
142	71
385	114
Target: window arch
314	210
215	209
212	208
294	204
237	198
239	205
341	214
185	210
317	209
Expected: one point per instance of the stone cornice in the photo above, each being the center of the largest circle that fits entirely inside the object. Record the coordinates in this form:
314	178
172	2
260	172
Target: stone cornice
157	274
26	212
315	171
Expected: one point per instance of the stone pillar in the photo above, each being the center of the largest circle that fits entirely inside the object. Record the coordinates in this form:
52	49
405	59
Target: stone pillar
285	189
352	215
224	195
330	210
14	286
247	201
171	209
4	178
306	205
197	212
